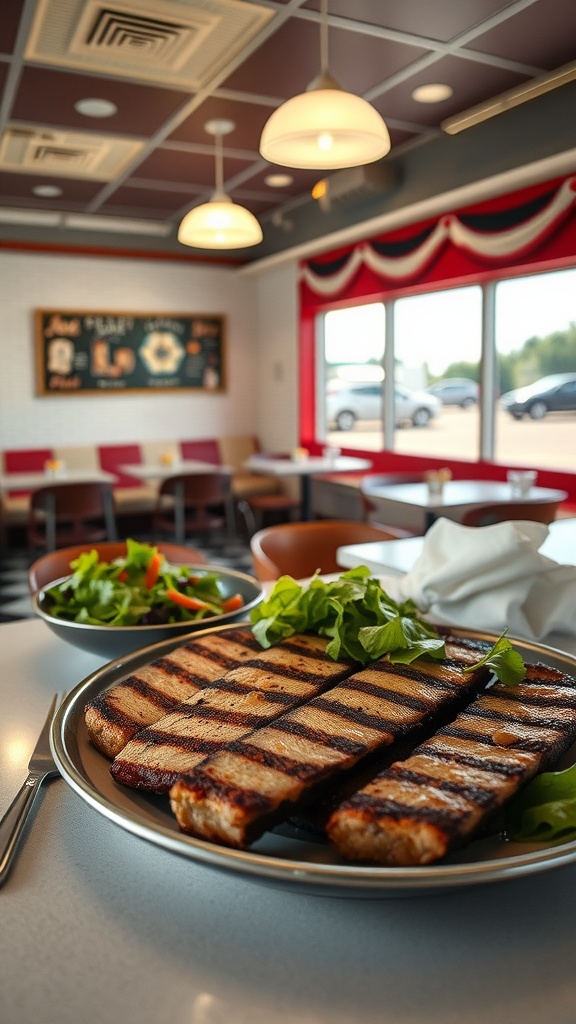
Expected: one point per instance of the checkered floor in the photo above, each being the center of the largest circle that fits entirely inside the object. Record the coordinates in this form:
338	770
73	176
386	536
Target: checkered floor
15	600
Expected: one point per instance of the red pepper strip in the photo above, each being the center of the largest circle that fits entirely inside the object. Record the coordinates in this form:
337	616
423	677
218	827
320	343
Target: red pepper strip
232	604
153	570
123	576
192	603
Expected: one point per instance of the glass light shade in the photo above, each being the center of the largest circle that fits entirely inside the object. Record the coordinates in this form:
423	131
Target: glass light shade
220	224
323	129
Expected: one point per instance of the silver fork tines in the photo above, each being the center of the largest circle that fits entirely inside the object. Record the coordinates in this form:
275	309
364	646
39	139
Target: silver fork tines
40	767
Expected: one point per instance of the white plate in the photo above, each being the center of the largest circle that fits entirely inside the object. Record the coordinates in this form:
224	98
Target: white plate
285	856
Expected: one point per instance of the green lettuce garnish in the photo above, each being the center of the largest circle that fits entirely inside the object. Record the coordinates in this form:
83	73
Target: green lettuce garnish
363	623
545	810
505	662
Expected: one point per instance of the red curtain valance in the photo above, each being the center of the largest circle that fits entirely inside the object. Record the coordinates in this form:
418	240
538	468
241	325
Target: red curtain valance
534	225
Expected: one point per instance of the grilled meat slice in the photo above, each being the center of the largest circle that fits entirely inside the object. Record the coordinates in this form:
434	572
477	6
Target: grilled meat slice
240	790
418	809
249	696
115	715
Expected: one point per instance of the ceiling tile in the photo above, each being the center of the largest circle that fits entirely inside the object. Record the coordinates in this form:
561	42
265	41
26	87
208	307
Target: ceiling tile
189	168
142	109
19	188
468	90
438	21
286	63
249	119
9	22
543	35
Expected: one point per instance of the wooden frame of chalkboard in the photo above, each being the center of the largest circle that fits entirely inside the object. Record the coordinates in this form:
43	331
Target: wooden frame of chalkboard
81	352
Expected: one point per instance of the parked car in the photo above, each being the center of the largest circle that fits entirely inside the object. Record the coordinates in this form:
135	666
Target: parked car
456	391
346	403
556	393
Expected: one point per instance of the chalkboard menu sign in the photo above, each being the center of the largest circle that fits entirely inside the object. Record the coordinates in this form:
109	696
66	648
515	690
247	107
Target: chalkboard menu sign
115	353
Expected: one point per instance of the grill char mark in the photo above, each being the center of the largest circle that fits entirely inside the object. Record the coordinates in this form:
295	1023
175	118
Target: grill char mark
249	697
114	716
417	810
207	804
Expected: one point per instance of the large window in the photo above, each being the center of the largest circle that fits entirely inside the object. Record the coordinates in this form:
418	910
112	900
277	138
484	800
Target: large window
406	375
353	372
536	347
438	339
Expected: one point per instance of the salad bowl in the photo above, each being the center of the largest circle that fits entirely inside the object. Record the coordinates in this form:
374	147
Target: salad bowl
238	593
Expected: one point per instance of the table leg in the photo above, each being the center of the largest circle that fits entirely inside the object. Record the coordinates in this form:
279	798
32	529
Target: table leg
179	514
305	497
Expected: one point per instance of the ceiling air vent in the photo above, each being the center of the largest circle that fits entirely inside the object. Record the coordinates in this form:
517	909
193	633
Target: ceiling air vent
65	154
182	43
123	35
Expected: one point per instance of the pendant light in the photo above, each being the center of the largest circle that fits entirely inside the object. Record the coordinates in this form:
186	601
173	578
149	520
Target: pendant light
325	127
219	223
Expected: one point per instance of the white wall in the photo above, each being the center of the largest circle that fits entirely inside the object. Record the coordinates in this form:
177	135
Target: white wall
276	369
30	281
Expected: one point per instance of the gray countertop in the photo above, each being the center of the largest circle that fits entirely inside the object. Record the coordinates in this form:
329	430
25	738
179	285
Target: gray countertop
99	926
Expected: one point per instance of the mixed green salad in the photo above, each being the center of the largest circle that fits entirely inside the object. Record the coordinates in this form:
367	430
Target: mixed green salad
139	589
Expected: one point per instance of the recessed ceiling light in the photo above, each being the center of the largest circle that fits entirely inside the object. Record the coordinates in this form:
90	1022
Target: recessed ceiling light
433	93
278	180
47	191
95	108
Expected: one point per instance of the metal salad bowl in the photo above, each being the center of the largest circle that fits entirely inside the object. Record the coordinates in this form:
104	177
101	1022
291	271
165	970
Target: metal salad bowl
115	641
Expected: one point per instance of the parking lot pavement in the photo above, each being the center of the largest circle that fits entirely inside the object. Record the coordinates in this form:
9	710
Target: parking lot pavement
549	443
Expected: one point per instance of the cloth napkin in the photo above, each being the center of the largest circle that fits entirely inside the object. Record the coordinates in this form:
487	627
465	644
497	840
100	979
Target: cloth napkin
490	578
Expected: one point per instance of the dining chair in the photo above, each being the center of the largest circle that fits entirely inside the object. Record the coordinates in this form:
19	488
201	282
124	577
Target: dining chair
65	513
194	503
372	505
499	512
300	549
258	509
56	564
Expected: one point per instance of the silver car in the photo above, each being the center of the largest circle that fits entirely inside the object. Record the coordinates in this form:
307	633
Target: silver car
347	403
456	391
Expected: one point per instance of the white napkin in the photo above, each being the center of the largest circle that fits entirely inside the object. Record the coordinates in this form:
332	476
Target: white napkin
491	578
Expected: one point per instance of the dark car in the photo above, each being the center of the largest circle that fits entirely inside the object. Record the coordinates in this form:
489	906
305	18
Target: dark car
556	393
456	391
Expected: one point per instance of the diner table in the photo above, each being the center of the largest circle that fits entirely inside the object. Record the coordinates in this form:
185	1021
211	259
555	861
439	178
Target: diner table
32	480
305	467
397	557
162	470
100	926
456	497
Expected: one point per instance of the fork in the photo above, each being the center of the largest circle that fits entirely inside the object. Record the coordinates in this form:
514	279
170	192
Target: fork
40	767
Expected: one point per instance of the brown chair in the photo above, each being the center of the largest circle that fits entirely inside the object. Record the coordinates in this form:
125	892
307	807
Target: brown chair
56	564
499	512
372	505
258	509
194	503
299	549
71	513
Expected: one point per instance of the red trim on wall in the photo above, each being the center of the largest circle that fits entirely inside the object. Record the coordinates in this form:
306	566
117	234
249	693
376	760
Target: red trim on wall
109	253
450	267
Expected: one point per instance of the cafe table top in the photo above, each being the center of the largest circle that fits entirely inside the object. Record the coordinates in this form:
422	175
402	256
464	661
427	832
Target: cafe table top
457	496
161	470
99	926
306	466
397	557
31	481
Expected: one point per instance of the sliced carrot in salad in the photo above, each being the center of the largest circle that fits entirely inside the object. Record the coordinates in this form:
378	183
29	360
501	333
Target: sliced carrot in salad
153	570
